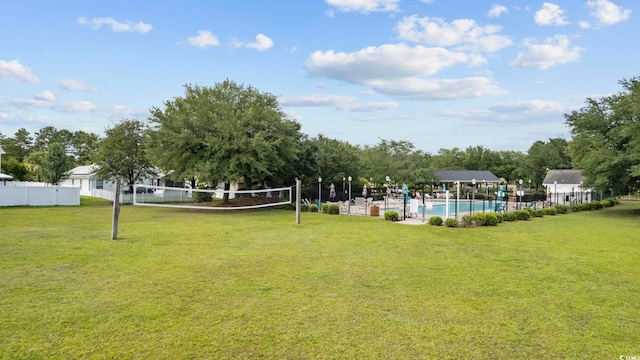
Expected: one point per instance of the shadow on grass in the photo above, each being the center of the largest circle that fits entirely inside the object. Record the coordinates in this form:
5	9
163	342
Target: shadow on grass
624	210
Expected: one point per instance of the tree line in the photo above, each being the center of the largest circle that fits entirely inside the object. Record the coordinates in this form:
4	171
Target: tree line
232	132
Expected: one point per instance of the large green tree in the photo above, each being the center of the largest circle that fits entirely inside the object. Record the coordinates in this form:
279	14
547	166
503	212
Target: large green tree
55	164
542	156
122	154
606	139
225	133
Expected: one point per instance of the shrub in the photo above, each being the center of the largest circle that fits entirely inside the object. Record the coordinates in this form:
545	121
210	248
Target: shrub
575	208
201	196
500	217
596	205
468	220
561	209
607	202
391	215
522	215
313	208
325	208
509	216
333	209
538	213
451	222
486	219
529	210
584	207
549	211
435	221
304	207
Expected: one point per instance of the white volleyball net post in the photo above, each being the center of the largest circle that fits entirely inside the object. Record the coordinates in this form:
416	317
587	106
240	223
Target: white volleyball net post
210	199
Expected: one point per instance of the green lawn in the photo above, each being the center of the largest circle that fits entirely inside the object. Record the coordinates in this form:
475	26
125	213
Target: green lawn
182	284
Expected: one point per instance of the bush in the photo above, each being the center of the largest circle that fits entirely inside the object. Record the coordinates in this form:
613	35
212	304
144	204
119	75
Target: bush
500	217
435	221
486	219
325	208
333	209
521	215
607	202
584	207
509	216
391	215
304	207
468	220
596	205
538	213
549	211
313	208
575	208
200	196
561	209
451	222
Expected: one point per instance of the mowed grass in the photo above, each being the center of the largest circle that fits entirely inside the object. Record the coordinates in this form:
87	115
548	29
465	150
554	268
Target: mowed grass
184	284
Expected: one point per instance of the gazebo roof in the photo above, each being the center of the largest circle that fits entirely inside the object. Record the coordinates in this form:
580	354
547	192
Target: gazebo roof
564	176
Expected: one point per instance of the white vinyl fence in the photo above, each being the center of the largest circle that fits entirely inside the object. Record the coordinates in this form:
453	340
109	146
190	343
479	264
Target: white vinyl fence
37	194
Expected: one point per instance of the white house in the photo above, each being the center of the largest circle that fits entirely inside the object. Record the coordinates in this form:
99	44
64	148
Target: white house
566	187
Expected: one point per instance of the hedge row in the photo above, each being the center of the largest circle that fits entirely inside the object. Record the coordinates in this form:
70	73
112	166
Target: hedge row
493	219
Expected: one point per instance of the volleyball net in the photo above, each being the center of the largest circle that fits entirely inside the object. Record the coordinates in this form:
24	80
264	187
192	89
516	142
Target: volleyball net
210	199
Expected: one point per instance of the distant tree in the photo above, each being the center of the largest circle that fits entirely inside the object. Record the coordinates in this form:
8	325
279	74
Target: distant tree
84	147
15	168
122	154
19	146
55	164
542	156
606	139
448	159
397	159
333	159
225	133
34	163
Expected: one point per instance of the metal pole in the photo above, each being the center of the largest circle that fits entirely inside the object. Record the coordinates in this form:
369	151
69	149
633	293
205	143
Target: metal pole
298	196
349	206
457	200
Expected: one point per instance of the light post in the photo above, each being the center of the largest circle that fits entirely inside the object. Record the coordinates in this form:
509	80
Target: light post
581	184
486	195
386	205
343	189
457	200
364	195
520	205
555	190
473	194
319	194
349	206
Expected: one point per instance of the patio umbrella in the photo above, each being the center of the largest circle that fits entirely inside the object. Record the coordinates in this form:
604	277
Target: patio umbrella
5	177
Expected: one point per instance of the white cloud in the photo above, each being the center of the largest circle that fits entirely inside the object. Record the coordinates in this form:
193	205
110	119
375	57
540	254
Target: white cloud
530	106
128	26
427	1
364	6
437	89
13	70
464	33
497	11
550	14
262	43
68	107
584	24
553	51
72	85
203	39
607	12
344	103
45	96
389	61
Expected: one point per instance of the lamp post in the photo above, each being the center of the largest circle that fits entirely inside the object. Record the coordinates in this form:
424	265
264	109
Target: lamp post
520	182
364	195
343	189
457	200
555	190
581	184
473	194
386	205
349	206
486	195
319	194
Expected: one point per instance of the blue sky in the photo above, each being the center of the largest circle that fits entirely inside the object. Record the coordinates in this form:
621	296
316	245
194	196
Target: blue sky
438	73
